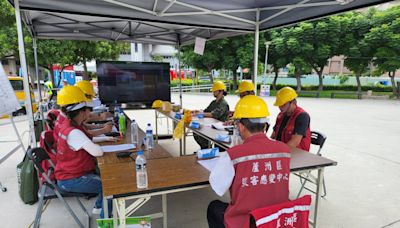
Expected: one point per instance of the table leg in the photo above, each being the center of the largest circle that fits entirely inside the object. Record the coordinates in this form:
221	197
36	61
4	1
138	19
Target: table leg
105	207
184	140
115	213
164	209
156	125
318	194
122	214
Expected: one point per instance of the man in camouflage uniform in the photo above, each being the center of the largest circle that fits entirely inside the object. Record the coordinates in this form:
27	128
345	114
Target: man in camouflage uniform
218	109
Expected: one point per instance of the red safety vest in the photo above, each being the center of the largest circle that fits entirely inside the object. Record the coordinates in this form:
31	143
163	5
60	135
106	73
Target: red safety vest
262	168
288	130
292	214
57	125
72	164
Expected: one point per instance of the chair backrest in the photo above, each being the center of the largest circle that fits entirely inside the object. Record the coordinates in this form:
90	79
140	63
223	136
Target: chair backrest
51	118
38	155
47	142
318	138
289	214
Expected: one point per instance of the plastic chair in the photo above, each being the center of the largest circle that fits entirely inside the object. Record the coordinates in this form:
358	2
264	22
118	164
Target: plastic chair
49	189
318	139
289	214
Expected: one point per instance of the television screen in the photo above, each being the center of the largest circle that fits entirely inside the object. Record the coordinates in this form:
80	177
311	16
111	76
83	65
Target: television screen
133	82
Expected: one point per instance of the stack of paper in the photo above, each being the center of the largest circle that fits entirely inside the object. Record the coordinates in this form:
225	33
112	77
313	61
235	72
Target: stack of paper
120	147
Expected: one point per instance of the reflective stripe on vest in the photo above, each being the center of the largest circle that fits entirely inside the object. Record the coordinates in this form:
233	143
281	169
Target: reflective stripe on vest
276	215
259	156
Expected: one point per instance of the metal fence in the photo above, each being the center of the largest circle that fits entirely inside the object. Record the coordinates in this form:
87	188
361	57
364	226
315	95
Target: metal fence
196	88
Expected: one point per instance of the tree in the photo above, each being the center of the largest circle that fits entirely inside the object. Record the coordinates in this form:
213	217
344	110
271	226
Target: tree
157	58
237	51
211	58
275	58
315	42
385	39
357	51
8	30
85	51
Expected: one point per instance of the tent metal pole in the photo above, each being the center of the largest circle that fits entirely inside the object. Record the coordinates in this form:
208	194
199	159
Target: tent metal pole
256	40
22	57
40	110
179	69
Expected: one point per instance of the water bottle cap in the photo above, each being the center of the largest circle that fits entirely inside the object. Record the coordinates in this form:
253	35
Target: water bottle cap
148	124
140	152
133	121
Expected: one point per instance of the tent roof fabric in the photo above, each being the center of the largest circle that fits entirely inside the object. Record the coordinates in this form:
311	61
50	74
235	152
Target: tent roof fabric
159	21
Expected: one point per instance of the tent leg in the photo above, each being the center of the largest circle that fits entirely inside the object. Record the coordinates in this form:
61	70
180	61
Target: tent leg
40	110
21	46
179	68
255	58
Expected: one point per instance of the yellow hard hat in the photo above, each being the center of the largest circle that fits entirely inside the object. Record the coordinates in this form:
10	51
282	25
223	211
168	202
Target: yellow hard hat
285	95
86	87
71	95
251	106
245	86
218	85
157	104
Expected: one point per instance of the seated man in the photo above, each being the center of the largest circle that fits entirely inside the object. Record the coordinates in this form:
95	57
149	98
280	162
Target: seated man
293	123
256	172
218	109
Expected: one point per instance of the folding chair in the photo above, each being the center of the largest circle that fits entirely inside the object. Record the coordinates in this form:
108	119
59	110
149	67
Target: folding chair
47	143
51	118
318	139
49	189
289	214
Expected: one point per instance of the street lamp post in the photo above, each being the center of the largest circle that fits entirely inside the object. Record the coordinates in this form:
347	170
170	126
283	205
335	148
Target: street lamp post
266	60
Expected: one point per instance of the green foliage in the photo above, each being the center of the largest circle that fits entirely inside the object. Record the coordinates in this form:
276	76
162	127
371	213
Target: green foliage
341	88
343	78
157	58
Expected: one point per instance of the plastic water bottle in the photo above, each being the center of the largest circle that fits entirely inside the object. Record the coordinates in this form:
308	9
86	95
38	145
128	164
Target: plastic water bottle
122	123
134	133
149	137
141	172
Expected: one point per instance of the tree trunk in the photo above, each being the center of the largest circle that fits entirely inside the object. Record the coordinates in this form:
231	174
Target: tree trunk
298	81
85	71
50	68
358	83
210	75
321	83
394	88
235	80
275	78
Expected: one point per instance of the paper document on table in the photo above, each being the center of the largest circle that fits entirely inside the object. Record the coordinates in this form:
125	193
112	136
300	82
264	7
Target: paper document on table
219	126
102	138
209	164
120	147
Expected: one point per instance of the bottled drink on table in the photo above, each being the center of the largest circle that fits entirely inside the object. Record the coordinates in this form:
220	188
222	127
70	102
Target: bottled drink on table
122	123
149	140
141	172
134	133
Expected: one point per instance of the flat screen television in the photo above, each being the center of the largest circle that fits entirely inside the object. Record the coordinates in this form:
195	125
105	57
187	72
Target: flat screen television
133	82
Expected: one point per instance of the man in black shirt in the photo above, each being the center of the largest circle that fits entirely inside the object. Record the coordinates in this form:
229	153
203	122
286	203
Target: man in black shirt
293	123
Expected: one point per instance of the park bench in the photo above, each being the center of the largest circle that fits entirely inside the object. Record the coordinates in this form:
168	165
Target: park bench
358	94
313	93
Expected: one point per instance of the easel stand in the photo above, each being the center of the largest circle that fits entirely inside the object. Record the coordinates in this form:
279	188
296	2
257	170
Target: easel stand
20	145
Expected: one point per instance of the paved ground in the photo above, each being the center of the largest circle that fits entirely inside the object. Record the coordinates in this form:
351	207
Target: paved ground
363	190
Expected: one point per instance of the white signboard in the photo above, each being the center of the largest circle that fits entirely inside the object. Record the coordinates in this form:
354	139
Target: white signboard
8	101
199	45
265	91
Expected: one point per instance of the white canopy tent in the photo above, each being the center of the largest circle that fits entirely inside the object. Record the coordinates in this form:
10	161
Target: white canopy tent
164	21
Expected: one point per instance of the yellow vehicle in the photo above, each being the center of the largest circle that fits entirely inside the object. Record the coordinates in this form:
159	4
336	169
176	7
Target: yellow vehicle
18	85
